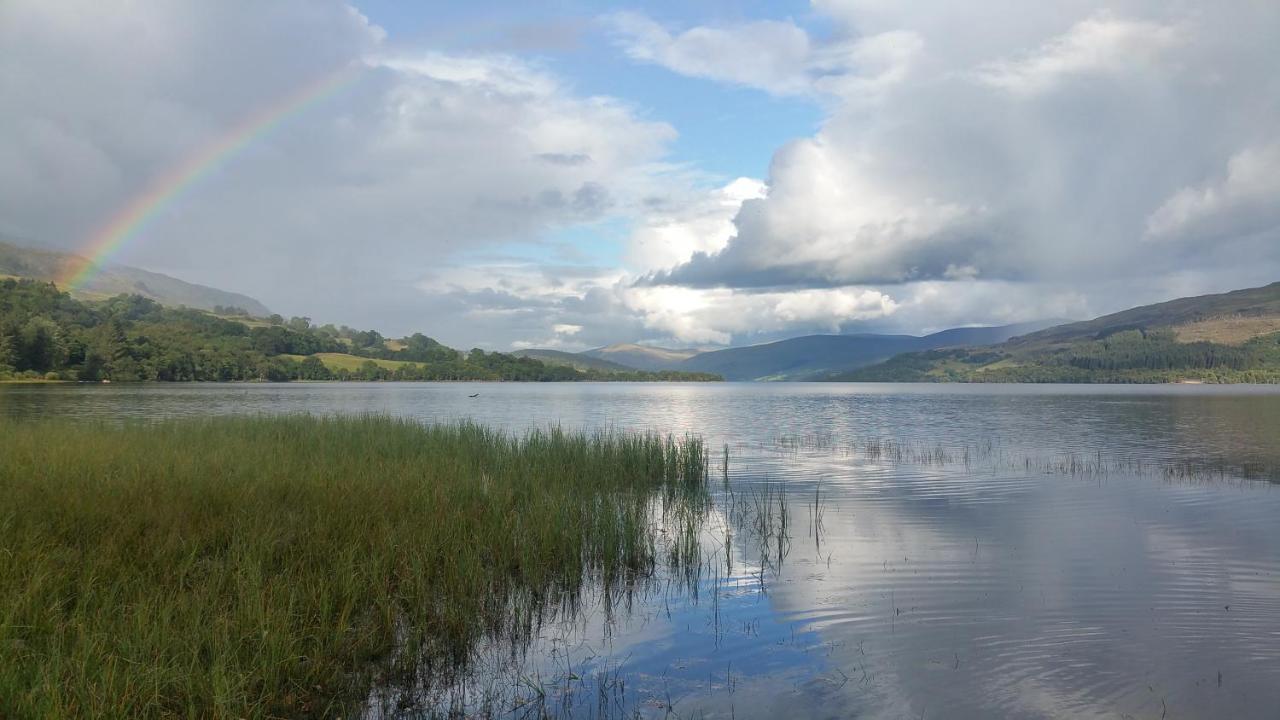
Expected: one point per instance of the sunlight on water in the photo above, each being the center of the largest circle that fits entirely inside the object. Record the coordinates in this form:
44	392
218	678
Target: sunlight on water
883	551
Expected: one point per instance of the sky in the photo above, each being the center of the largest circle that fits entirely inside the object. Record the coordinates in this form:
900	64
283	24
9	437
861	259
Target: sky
572	174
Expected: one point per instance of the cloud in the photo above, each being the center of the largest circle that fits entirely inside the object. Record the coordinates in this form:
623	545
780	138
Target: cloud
1245	201
1022	153
345	205
973	166
1100	44
717	316
765	54
674	229
772	55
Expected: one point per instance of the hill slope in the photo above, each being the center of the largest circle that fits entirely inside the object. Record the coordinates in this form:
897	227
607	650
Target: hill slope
642	357
46	334
114	280
1229	337
577	361
815	356
1259	304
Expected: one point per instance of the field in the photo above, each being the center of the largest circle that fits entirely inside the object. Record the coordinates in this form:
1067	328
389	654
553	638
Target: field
283	567
343	361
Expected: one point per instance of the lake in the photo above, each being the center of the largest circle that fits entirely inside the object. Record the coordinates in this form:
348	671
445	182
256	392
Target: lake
937	551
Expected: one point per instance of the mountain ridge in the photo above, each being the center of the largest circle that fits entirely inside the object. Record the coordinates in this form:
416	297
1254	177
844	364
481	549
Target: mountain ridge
642	357
53	265
812	357
577	361
1223	337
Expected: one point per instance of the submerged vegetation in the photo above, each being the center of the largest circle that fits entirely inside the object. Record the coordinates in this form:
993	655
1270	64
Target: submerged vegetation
47	334
283	567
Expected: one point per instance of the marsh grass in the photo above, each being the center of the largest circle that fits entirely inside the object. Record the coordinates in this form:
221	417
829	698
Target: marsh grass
284	567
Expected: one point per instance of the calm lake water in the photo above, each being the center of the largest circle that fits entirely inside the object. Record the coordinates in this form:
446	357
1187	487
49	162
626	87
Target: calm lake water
949	551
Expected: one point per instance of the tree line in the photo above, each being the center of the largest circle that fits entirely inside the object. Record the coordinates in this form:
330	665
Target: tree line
47	334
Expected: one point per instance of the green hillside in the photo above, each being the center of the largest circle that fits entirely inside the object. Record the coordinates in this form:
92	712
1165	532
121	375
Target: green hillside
577	361
47	334
112	280
1230	337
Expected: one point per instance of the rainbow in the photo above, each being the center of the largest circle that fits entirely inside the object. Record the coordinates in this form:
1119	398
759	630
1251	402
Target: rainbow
104	242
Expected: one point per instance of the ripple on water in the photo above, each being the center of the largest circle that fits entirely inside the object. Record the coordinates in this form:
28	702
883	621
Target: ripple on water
977	551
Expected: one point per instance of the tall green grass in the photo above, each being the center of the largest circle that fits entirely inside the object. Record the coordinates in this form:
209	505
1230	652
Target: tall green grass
282	567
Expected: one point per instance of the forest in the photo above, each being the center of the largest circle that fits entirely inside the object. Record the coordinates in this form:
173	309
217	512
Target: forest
45	334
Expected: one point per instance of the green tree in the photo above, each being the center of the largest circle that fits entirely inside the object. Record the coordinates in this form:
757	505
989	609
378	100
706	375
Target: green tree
41	346
312	369
7	354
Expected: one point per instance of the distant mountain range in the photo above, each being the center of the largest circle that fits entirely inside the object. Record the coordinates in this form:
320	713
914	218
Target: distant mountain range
1228	337
814	357
117	279
577	361
642	357
810	357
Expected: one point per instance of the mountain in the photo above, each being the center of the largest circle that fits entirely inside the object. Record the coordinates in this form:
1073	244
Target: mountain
642	357
577	361
1228	337
813	357
1231	318
114	280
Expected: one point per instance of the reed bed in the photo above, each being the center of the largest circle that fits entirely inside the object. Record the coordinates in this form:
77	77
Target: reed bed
287	566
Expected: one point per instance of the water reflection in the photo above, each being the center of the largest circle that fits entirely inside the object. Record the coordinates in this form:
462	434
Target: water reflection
948	552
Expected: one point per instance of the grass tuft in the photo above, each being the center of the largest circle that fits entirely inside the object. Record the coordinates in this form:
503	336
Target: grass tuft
283	567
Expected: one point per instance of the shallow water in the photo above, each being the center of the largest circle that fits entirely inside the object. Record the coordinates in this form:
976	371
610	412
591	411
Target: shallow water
975	551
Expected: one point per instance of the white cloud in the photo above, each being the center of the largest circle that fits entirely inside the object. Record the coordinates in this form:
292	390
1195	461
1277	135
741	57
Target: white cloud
671	233
766	54
974	165
1100	44
340	209
718	315
1025	152
772	55
1246	200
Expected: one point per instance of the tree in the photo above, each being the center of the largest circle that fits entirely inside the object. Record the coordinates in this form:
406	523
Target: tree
368	339
41	346
7	355
370	370
312	368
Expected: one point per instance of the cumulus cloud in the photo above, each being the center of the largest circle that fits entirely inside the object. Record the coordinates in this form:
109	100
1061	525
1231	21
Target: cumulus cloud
673	230
1245	201
718	316
1021	153
347	203
973	166
1099	45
